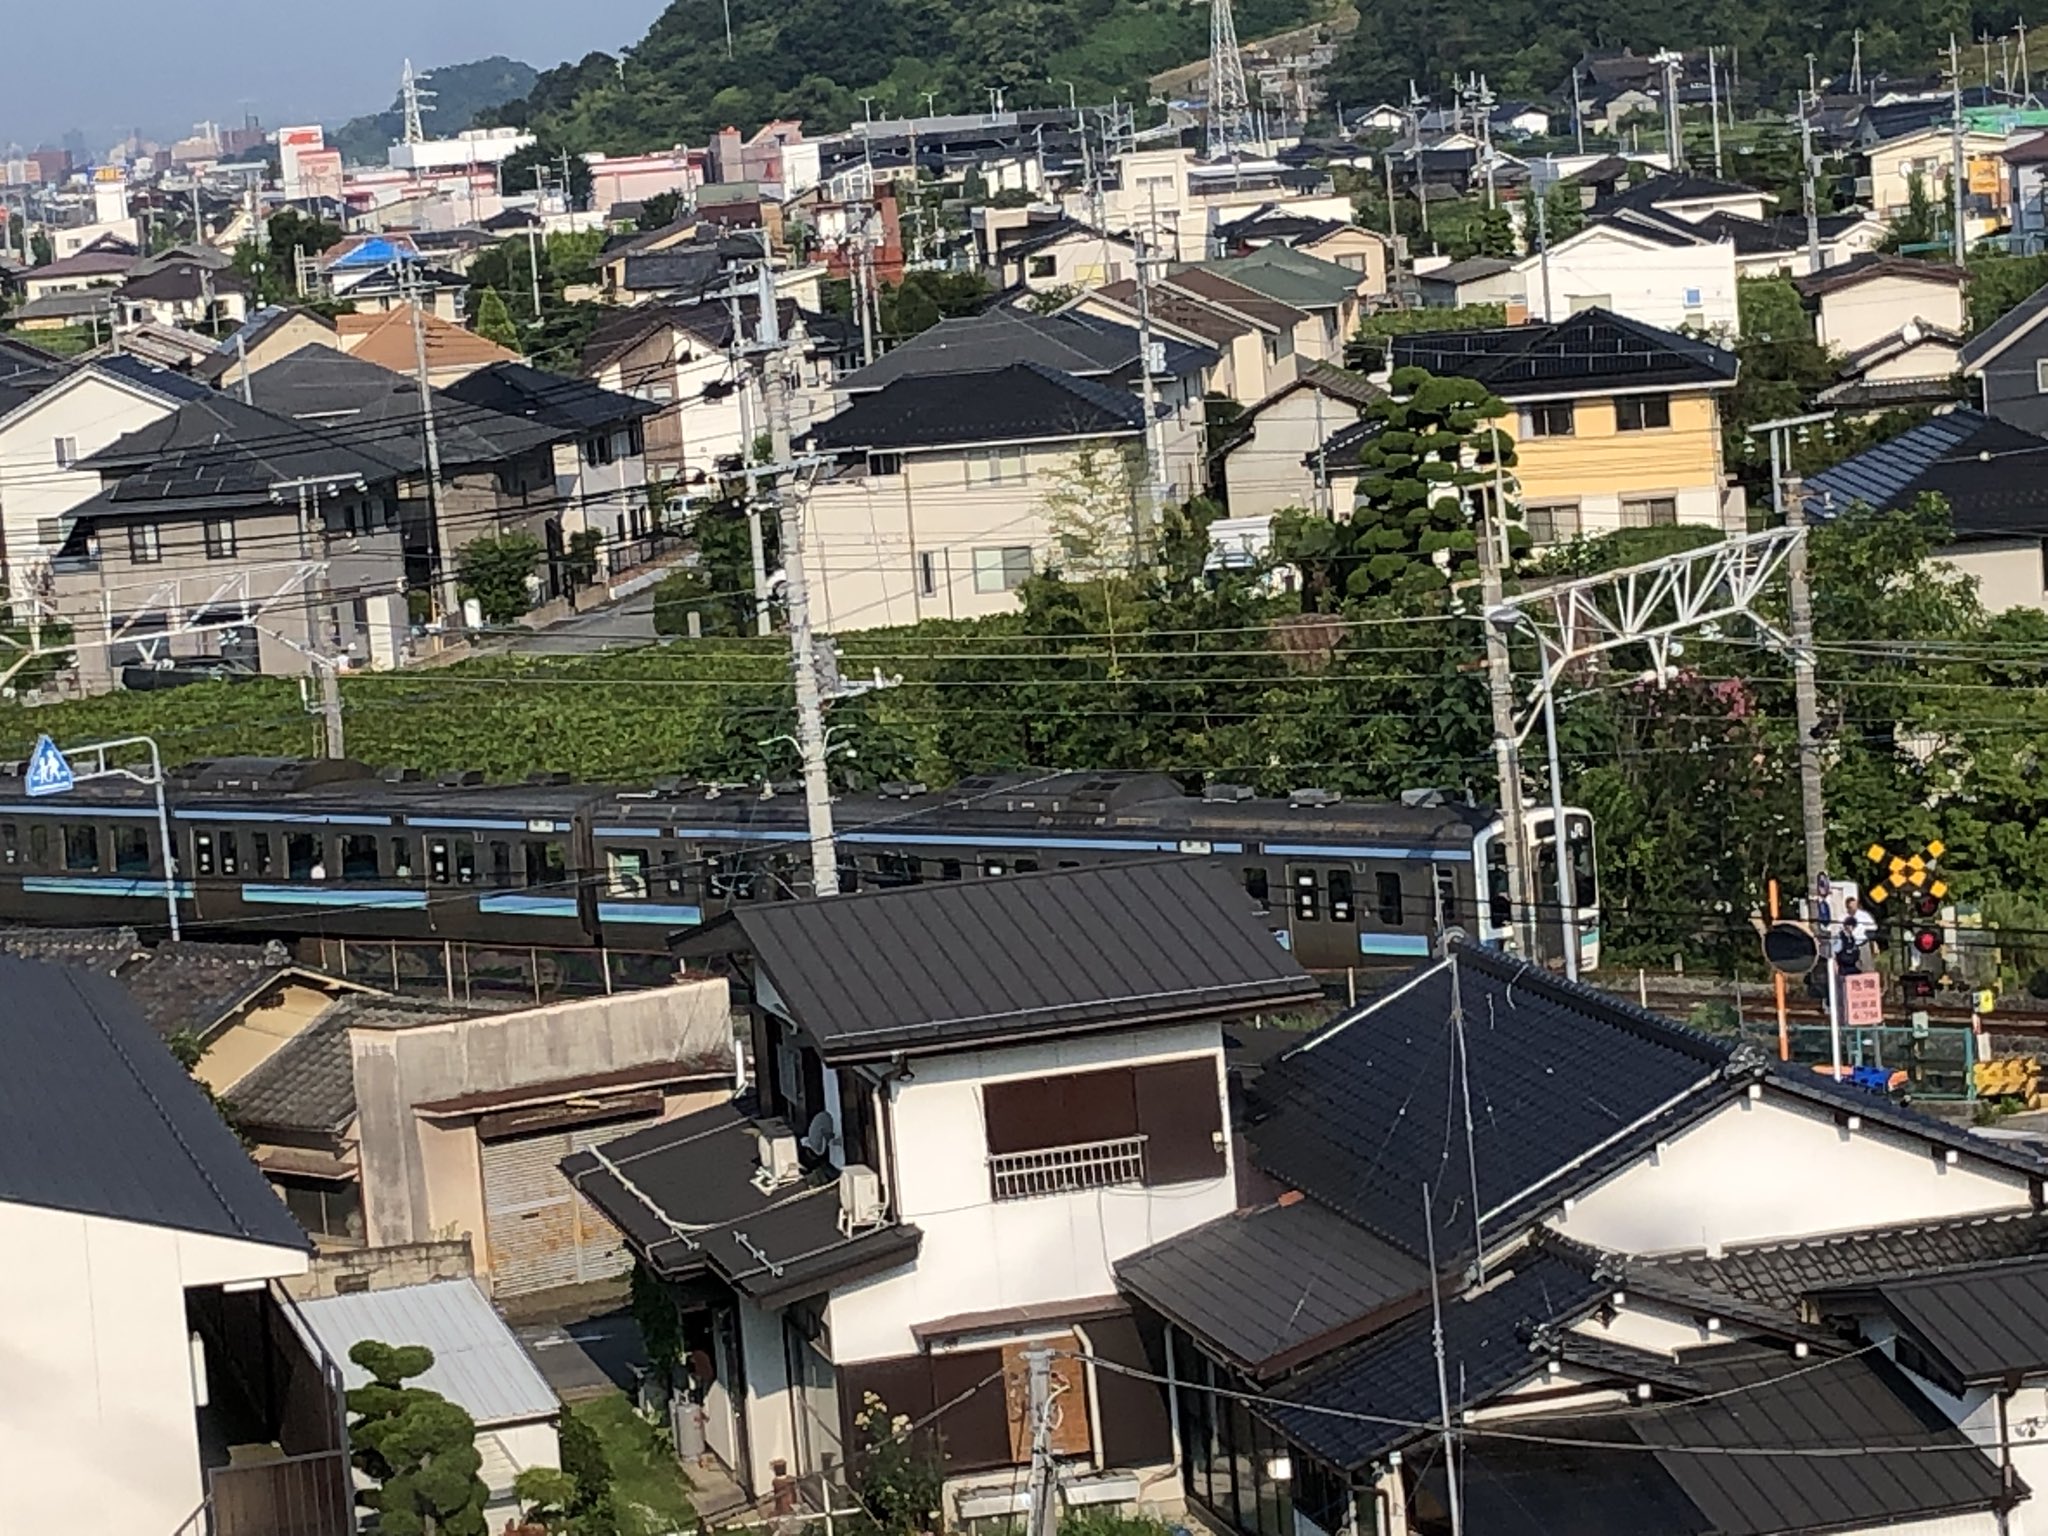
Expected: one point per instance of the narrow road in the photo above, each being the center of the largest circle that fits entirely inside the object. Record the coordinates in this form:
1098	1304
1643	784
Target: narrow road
616	626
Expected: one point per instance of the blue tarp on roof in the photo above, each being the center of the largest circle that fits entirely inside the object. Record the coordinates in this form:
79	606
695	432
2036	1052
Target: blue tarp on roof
374	253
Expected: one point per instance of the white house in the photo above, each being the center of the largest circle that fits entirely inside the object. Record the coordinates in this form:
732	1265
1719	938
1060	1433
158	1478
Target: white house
149	1365
949	1153
1643	268
1277	461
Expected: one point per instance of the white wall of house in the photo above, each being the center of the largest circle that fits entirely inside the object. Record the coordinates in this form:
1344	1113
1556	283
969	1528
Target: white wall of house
980	1254
599	495
39	443
1270	470
1669	286
99	1397
2008	572
1852	318
1776	1167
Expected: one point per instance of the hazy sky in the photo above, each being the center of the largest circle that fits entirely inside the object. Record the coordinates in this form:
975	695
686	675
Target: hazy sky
161	67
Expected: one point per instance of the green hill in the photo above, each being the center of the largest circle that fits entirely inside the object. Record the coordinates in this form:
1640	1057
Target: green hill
815	59
461	91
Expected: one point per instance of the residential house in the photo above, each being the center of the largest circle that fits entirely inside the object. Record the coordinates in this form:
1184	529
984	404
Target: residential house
103	265
1335	295
43	440
1263	340
1660	270
379	273
1886	172
1338	241
140	1323
2027	169
1275	458
944	1155
270	334
1691	199
386	338
1024	248
776	155
2008	360
937	506
1898	325
1175	204
1992	474
184	293
601	456
1473	280
1616	424
479	1365
394	1123
1778	247
1588	1283
227	535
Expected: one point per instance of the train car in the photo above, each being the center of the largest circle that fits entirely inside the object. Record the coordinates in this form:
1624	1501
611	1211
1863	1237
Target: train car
331	852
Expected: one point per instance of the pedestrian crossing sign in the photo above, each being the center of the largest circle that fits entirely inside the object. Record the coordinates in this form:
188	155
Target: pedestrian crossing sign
48	772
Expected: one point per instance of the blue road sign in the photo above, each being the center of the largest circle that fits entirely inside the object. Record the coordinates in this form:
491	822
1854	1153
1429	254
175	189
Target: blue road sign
48	773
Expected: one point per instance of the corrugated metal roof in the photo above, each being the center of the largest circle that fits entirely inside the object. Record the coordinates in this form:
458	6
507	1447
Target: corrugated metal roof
479	1364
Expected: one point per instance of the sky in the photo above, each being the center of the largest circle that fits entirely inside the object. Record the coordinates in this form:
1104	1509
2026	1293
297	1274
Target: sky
161	67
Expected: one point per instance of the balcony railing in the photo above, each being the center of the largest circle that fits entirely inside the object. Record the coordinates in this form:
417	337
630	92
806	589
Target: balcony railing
1063	1170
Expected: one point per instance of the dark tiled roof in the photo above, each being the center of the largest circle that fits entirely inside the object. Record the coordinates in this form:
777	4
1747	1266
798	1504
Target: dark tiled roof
182	280
1081	345
220	448
1985	1324
1183	311
2018	320
1559	1074
683	1193
1657	191
2003	494
195	986
1647	224
1778	1275
1871	265
1021	403
308	1084
1268	1288
1071	951
549	399
1494	1337
1216	288
1594	349
1471	270
95	1117
692	271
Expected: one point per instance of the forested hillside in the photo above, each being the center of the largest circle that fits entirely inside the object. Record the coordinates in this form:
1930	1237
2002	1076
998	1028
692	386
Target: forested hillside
814	59
461	91
1525	48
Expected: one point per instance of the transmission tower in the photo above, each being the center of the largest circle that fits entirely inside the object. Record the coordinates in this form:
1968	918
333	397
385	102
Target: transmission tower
1230	104
414	100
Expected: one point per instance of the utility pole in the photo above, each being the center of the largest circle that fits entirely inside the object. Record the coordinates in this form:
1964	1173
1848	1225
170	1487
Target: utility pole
1808	166
1543	251
446	597
326	666
1148	395
1856	62
1714	107
2026	80
1956	173
1578	113
1674	127
1507	752
533	239
1042	1515
810	703
1805	691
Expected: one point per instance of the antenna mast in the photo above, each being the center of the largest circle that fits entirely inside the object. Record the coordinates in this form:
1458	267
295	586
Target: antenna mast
1230	105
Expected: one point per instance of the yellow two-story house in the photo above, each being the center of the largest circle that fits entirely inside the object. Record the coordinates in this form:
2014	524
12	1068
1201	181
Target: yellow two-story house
1617	424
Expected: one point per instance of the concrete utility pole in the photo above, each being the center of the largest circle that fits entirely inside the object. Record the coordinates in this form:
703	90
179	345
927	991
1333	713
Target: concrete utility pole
326	665
1856	63
1714	107
1809	166
1543	251
1148	394
1674	127
1042	1514
810	702
1958	178
533	239
1805	690
445	595
1507	751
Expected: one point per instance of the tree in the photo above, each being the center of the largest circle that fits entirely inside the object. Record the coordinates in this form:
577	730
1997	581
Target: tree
1094	510
1564	213
498	571
542	162
658	211
419	1448
1921	222
40	251
494	320
1496	232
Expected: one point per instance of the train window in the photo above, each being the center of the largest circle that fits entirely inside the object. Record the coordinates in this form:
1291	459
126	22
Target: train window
899	869
302	859
547	864
991	867
465	861
81	847
501	863
1340	896
39	844
1387	893
1255	887
1446	897
202	852
849	877
1500	909
359	856
401	858
260	852
949	869
131	850
1579	834
1026	866
439	865
626	873
10	843
230	857
1307	897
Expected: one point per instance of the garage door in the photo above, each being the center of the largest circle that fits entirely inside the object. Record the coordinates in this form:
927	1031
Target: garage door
541	1232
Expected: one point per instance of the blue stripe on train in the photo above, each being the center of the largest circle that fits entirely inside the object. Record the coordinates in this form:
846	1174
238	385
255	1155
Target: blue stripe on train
1393	944
332	896
90	885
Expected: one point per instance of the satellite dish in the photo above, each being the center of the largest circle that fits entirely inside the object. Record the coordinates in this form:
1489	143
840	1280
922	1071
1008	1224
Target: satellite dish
818	1136
1790	949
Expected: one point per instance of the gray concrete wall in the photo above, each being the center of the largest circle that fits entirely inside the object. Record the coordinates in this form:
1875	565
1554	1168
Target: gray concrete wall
383	1269
688	1024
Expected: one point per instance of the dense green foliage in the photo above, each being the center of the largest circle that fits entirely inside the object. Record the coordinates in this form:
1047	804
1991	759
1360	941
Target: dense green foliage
415	1445
916	304
494	320
271	269
460	92
497	572
812	59
553	336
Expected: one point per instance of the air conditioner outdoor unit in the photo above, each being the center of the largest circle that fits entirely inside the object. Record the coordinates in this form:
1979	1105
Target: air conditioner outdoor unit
861	1201
775	1151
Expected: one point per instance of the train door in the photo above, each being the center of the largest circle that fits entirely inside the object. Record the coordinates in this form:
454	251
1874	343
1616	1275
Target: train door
1324	918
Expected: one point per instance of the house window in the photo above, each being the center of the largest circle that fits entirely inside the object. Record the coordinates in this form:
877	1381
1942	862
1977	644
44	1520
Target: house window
144	546
885	463
996	466
1043	266
1692	298
1551	522
50	531
1650	512
597	450
220	538
1002	570
67	452
1156	1124
1642	413
927	573
327	1209
1553	418
2041	376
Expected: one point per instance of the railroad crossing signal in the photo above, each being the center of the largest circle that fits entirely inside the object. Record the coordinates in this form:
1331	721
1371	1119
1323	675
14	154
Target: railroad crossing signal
1914	878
